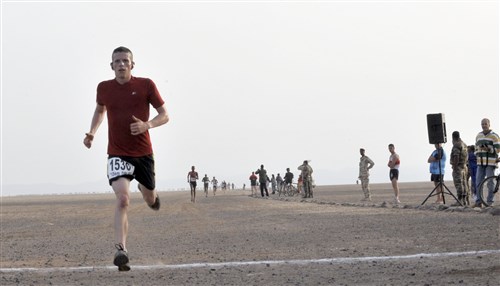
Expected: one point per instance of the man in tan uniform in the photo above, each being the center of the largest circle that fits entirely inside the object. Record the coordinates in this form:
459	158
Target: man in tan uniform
365	164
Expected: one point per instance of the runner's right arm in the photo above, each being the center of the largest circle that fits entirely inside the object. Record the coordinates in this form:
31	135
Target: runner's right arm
100	111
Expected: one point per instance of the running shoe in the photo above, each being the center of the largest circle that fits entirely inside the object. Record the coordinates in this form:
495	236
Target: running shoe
156	205
121	258
125	267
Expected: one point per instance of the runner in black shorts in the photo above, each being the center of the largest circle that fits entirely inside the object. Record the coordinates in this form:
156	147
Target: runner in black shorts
393	174
192	176
129	142
394	162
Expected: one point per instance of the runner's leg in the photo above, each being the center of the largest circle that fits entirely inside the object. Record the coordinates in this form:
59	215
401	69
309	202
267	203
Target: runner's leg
121	188
148	195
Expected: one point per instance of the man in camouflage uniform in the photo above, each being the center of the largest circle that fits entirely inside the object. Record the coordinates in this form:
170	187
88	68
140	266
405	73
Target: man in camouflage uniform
365	164
458	160
307	181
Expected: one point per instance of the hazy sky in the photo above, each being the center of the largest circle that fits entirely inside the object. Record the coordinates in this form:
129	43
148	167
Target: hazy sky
247	83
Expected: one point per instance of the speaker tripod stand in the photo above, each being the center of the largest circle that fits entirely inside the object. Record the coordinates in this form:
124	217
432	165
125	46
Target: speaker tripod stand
441	184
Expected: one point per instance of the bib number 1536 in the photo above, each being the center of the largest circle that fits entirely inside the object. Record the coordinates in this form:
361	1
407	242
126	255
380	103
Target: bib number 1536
118	168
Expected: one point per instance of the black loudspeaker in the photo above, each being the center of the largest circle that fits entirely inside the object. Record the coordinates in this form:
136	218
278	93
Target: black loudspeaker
436	128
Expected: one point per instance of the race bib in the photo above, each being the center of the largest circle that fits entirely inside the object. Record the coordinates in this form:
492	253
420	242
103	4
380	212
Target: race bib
118	168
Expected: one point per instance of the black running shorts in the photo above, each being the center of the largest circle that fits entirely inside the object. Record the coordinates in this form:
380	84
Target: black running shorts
394	174
140	168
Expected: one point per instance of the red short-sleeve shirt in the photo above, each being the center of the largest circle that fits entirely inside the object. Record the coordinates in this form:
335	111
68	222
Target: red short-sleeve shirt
122	101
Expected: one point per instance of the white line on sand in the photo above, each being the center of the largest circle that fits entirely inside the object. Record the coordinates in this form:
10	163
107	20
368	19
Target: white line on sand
338	260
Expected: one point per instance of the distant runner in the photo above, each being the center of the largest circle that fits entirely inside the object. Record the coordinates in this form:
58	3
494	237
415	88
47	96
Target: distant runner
205	181
214	184
192	176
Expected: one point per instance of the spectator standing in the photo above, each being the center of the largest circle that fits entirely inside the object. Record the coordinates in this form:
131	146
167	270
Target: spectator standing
487	147
288	177
307	181
394	162
471	171
263	179
279	182
365	164
273	184
437	165
458	164
253	184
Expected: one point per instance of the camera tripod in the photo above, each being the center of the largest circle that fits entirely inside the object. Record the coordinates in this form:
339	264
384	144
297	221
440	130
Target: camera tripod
441	184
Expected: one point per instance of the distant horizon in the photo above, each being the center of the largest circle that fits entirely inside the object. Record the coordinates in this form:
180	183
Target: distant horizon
25	189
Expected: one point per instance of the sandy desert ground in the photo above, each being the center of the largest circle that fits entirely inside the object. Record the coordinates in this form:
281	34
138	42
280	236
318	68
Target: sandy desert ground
234	239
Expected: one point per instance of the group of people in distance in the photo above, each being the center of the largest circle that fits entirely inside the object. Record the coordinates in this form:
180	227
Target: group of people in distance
474	162
305	182
365	164
192	177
